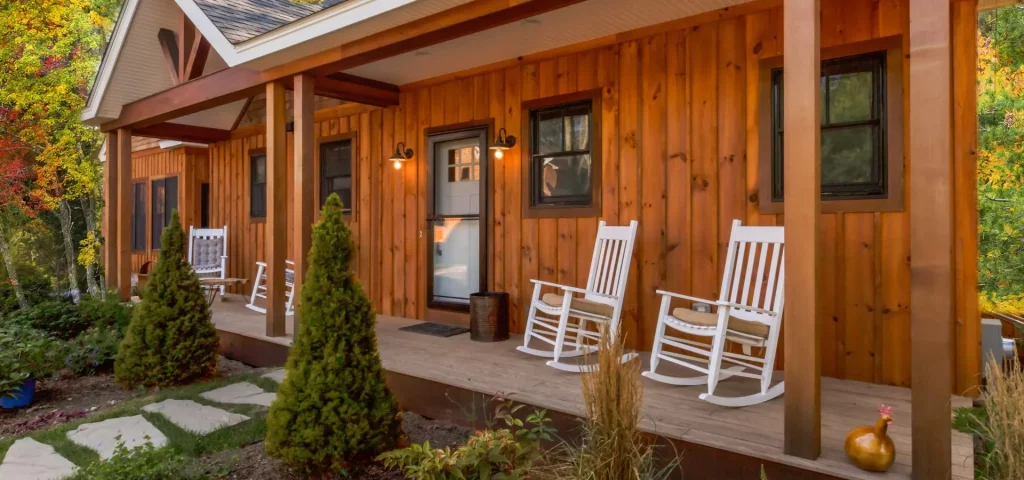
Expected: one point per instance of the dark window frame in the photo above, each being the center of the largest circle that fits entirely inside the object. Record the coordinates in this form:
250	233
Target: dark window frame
575	207
892	133
351	210
254	213
139	244
161	183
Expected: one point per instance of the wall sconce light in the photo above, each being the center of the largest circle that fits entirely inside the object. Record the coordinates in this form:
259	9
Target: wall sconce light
502	143
401	155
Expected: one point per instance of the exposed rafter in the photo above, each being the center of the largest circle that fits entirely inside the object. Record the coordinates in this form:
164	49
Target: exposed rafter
183	133
351	88
169	45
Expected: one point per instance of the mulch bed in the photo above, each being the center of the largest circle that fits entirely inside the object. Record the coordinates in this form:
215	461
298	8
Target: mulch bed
65	397
253	463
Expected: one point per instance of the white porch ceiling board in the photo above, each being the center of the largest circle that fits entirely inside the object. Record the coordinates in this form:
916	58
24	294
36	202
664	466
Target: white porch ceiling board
567	26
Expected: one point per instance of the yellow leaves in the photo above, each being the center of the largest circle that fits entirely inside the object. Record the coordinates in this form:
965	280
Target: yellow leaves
89	253
1008	229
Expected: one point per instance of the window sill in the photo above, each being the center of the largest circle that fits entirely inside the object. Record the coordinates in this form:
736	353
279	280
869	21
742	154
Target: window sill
588	211
865	205
257	219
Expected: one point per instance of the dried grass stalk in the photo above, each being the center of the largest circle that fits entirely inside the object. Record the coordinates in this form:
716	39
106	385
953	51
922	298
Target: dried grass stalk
1003	428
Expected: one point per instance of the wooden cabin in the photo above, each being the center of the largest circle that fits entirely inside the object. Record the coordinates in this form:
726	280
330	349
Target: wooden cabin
669	112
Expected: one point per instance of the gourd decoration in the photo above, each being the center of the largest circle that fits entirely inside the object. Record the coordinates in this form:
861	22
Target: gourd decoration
869	447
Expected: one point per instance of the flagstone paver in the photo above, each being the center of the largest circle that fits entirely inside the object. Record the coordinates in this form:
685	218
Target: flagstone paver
102	436
242	393
276	375
28	459
195	417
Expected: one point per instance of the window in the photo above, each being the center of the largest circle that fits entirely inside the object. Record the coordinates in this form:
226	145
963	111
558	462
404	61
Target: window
138	219
336	171
563	168
853	150
464	164
165	200
258	184
204	205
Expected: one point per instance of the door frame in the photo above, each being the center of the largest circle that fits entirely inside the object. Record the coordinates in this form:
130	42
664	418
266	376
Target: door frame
442	133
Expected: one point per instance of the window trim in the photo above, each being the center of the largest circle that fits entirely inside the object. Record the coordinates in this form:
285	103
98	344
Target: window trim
894	108
353	136
145	221
255	218
149	206
531	210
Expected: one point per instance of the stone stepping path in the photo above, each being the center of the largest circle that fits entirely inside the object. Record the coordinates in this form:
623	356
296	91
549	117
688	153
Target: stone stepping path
240	393
102	436
276	375
195	417
28	459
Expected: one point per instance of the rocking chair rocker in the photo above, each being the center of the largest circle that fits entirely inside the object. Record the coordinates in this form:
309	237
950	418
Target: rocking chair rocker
749	314
600	302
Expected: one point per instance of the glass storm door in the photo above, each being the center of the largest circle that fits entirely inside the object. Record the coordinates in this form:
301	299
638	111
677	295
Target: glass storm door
458	174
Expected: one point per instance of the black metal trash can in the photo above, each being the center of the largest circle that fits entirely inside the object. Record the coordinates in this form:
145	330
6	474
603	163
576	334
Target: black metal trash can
488	316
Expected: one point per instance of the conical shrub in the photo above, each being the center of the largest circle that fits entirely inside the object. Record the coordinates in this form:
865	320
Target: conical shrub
333	406
170	340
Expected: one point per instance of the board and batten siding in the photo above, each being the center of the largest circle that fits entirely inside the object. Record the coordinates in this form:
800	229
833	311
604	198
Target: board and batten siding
680	146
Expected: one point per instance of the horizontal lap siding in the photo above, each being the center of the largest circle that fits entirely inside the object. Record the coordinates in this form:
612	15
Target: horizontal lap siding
680	136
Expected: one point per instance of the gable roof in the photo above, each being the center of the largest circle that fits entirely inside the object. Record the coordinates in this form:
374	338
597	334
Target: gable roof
242	20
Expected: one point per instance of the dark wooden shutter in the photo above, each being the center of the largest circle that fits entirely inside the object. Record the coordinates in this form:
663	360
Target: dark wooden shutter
157	208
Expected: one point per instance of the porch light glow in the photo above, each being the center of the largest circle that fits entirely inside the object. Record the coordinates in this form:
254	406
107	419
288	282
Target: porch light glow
502	143
401	155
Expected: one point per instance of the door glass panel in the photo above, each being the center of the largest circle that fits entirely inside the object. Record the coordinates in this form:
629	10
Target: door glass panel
455	222
457	178
456	252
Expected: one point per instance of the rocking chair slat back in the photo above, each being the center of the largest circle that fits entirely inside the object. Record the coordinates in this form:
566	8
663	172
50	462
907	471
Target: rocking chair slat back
610	264
751	248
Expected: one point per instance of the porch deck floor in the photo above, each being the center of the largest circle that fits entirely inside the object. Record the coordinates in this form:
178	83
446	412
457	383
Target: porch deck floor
670	411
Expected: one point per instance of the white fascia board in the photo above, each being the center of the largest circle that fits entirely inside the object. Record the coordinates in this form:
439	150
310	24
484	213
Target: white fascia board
106	70
166	144
308	28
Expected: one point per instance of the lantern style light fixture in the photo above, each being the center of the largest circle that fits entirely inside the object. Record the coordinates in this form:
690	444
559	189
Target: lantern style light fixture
401	155
502	143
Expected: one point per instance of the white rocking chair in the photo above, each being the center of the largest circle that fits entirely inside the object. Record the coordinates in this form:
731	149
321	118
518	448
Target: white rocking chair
259	288
208	253
749	314
600	302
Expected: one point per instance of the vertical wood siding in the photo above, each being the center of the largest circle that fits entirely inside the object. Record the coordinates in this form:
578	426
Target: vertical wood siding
680	136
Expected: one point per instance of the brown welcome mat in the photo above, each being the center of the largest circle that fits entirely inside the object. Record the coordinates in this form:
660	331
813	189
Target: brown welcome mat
435	329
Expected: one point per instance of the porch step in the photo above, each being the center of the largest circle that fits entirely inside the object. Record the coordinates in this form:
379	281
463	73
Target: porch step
28	459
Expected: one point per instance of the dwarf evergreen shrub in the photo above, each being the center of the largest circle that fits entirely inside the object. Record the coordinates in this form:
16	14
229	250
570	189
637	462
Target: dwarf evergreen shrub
170	340
333	406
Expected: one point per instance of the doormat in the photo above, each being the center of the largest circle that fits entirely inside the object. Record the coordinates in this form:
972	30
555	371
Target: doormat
435	329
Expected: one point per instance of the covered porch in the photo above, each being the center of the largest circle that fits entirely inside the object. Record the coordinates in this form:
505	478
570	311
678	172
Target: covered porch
432	376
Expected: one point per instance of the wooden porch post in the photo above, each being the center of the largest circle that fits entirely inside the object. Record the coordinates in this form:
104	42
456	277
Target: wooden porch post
302	190
110	211
931	236
124	213
802	122
277	207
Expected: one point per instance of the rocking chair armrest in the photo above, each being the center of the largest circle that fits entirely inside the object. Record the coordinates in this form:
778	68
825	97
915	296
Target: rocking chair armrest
718	303
570	289
686	297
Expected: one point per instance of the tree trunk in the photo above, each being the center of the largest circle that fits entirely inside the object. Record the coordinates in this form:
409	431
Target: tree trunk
12	272
69	247
90	269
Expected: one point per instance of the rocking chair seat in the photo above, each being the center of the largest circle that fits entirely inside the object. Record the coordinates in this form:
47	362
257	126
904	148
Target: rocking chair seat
710	320
554	300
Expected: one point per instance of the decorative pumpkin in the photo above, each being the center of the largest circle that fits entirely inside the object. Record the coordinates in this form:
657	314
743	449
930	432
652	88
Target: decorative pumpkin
869	447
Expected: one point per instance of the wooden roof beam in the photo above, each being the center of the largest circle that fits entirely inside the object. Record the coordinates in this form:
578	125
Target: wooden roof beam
238	83
351	88
183	133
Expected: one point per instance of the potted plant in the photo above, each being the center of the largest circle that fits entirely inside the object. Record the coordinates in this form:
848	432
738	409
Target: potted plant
26	355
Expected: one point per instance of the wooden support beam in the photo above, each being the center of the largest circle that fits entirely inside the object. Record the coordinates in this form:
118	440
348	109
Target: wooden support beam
186	37
110	211
237	83
302	186
199	52
931	236
277	209
351	88
124	213
169	46
802	122
183	133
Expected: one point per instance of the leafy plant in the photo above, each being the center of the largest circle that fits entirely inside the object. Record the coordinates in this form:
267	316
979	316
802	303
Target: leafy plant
143	462
33	282
333	406
57	318
106	312
25	353
170	340
92	352
507	453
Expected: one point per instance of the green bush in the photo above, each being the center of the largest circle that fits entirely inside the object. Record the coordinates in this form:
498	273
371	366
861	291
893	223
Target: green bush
105	313
333	406
58	318
34	283
508	453
93	351
25	353
170	340
143	462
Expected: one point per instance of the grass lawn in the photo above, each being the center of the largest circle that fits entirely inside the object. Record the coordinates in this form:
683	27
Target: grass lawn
181	441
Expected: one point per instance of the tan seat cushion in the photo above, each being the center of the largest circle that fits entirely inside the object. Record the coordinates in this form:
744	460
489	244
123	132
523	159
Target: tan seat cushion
580	304
711	319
